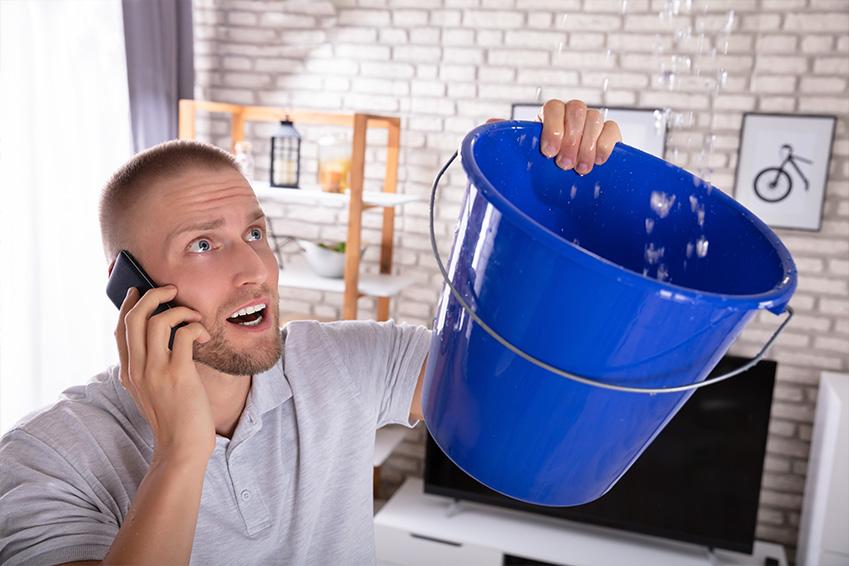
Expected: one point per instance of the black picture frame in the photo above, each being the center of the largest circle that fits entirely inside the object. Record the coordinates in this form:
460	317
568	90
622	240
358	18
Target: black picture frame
740	157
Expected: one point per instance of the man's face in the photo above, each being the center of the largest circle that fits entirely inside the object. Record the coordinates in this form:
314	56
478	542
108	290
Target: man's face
217	270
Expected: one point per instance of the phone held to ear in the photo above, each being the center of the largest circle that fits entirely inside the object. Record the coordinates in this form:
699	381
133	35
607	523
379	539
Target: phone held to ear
128	273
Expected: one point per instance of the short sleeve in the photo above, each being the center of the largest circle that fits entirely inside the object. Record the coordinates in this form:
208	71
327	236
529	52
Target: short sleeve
47	510
383	360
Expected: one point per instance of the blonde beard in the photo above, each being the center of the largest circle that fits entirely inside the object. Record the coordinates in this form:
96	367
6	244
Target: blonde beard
221	356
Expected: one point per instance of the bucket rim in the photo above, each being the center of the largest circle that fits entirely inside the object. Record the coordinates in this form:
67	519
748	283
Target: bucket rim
774	299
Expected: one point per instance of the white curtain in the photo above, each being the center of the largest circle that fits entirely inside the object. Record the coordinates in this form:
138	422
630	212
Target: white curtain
64	127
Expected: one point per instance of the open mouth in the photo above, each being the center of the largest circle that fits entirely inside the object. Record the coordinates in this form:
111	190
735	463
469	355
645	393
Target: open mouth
251	316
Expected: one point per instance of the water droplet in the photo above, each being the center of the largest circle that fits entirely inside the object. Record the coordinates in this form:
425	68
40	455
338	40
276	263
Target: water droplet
624	6
534	141
560	47
689	249
660	119
596	190
539	94
683	34
653	254
649	225
662	203
729	22
563	19
662	272
701	246
693	203
530	164
573	192
522	139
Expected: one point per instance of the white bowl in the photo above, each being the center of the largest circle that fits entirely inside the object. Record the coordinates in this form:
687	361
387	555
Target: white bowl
324	262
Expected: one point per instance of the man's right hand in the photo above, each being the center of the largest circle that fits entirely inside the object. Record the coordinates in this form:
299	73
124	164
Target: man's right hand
165	384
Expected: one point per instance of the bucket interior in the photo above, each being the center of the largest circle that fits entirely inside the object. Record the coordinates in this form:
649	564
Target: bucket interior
613	213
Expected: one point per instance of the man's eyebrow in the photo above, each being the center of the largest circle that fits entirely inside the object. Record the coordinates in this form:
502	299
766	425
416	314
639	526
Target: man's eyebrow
211	225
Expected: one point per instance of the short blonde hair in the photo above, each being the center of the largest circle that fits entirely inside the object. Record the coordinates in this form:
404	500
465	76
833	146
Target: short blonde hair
134	178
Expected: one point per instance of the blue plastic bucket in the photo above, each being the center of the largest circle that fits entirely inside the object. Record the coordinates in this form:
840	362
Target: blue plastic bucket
557	273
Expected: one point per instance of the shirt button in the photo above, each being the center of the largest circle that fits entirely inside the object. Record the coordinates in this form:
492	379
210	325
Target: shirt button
246	494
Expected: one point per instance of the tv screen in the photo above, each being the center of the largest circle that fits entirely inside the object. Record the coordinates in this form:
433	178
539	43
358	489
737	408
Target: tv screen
699	481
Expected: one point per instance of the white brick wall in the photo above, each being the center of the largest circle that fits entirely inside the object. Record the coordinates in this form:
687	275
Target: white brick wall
445	66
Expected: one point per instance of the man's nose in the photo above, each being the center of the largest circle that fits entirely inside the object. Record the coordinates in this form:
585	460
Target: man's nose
249	267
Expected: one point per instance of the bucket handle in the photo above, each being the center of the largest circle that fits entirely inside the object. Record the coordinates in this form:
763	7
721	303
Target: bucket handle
566	374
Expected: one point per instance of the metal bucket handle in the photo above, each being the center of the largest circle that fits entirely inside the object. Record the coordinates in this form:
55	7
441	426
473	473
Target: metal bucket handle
566	374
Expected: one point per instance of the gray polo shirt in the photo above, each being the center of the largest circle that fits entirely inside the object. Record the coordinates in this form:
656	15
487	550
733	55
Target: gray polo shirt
292	486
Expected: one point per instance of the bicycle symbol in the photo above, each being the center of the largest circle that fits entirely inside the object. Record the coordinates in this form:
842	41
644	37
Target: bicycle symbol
776	188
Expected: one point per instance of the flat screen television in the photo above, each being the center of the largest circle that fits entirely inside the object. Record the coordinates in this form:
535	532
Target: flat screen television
699	481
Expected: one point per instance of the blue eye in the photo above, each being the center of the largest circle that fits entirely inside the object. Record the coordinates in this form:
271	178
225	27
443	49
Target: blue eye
201	240
259	232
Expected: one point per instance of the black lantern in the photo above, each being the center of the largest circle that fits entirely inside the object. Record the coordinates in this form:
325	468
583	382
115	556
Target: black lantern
285	156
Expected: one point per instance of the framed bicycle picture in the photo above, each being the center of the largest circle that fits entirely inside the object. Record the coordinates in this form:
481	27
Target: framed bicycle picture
782	168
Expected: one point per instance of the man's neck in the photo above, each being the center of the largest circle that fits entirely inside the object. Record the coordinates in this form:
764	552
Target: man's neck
227	395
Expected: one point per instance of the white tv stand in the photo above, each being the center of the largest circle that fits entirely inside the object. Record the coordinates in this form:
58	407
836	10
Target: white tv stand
418	529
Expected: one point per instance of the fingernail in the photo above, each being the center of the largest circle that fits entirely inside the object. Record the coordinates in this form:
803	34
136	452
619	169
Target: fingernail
564	163
582	168
549	149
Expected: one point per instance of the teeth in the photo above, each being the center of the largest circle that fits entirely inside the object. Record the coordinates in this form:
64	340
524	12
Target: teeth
254	323
247	310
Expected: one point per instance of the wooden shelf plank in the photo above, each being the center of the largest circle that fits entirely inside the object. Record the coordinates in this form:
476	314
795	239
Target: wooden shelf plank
300	276
317	196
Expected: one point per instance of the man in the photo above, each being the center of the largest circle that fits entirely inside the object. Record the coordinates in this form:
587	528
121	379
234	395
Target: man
245	443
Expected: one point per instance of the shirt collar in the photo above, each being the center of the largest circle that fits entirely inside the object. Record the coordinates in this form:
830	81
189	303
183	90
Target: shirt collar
269	390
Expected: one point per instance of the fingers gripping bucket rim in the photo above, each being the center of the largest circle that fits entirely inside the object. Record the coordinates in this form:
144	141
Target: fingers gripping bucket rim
450	372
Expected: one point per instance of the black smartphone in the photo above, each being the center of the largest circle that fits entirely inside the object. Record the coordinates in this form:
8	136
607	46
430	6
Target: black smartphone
127	273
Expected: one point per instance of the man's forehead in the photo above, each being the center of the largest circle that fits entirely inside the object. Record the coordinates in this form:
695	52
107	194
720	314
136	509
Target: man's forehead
197	191
200	196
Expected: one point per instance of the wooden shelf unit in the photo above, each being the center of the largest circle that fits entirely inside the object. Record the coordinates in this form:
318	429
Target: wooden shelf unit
357	199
